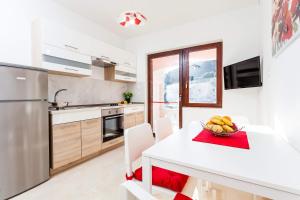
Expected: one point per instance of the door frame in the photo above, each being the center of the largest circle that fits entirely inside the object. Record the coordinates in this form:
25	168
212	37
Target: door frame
150	81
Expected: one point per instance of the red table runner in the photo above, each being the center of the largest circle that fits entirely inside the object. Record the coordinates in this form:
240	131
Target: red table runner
238	140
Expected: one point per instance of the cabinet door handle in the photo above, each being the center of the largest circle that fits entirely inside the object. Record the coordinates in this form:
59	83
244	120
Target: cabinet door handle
105	58
125	78
69	69
21	78
71	47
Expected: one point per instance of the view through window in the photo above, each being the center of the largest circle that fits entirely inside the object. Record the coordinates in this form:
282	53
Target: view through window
190	77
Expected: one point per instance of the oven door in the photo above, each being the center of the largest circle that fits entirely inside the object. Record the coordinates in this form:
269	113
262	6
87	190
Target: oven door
112	127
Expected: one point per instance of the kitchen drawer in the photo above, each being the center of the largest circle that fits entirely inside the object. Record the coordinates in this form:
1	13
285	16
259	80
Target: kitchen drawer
66	116
91	124
66	144
134	109
91	136
63	132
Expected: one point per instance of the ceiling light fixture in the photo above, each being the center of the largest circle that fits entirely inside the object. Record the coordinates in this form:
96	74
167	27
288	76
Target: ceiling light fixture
132	19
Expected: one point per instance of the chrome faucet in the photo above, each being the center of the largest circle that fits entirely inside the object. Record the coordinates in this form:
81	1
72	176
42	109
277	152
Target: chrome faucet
54	103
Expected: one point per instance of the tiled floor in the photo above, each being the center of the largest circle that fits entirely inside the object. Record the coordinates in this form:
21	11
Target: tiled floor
99	178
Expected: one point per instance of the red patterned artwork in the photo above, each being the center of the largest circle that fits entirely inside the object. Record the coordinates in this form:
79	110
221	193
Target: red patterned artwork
285	23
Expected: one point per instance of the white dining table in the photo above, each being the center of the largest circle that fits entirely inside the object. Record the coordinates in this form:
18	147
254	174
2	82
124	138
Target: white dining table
270	168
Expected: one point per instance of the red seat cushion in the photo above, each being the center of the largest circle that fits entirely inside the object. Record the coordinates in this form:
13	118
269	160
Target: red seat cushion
164	178
180	196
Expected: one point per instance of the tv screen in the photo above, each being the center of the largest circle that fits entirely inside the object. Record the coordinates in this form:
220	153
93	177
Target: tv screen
244	74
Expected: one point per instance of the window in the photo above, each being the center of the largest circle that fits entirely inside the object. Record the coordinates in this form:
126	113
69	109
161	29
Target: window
202	76
190	77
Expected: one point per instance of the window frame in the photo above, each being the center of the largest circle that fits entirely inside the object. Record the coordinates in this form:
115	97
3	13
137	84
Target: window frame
185	76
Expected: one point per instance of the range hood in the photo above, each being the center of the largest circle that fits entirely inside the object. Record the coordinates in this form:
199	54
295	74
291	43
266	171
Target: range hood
103	61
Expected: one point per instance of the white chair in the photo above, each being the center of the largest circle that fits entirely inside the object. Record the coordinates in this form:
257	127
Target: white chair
134	191
138	139
163	128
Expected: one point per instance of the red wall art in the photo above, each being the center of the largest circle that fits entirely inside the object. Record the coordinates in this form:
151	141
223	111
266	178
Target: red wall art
285	24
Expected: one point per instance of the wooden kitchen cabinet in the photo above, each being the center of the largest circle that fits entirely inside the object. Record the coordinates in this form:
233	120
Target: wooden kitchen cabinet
133	119
66	144
120	74
91	136
129	120
139	118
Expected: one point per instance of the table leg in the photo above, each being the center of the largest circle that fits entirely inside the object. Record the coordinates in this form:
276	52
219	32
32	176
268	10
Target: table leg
147	174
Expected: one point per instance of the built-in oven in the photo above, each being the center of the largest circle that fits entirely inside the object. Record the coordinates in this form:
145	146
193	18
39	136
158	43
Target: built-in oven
112	123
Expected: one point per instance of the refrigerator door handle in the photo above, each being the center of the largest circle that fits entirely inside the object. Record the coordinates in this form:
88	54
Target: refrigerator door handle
22	84
21	78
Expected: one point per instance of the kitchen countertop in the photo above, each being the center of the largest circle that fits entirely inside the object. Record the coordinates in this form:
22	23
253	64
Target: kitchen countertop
71	110
83	108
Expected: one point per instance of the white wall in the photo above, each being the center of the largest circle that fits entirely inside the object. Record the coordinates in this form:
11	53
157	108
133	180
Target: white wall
16	17
280	96
240	32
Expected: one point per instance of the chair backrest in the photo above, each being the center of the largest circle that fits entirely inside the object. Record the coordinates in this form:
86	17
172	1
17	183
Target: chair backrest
163	128
133	191
137	139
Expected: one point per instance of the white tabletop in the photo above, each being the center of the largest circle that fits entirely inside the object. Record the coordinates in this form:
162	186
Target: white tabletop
270	162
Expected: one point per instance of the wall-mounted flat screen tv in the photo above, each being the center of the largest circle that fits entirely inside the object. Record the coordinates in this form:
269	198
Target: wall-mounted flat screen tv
243	74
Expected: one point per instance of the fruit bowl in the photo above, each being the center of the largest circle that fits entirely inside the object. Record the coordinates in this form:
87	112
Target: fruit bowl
221	126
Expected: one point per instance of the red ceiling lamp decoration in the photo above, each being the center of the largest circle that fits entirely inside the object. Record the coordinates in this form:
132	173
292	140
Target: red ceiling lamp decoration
132	19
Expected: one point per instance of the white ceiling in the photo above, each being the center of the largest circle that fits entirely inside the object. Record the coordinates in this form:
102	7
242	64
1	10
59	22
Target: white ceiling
161	14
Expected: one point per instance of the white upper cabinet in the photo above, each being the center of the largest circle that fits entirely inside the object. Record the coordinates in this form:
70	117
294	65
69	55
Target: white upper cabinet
63	50
100	49
63	37
60	49
113	54
127	59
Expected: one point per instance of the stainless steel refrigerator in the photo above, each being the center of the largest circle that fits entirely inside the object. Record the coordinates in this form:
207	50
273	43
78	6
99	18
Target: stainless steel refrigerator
24	137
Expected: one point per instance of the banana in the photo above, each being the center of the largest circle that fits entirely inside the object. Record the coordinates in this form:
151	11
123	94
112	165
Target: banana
227	117
209	126
209	123
227	128
227	122
219	124
217	129
217	117
217	121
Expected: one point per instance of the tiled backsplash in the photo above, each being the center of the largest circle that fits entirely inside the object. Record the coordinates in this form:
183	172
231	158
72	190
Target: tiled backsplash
138	89
85	90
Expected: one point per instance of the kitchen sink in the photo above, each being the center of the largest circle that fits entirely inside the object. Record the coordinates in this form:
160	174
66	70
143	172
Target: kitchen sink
66	108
